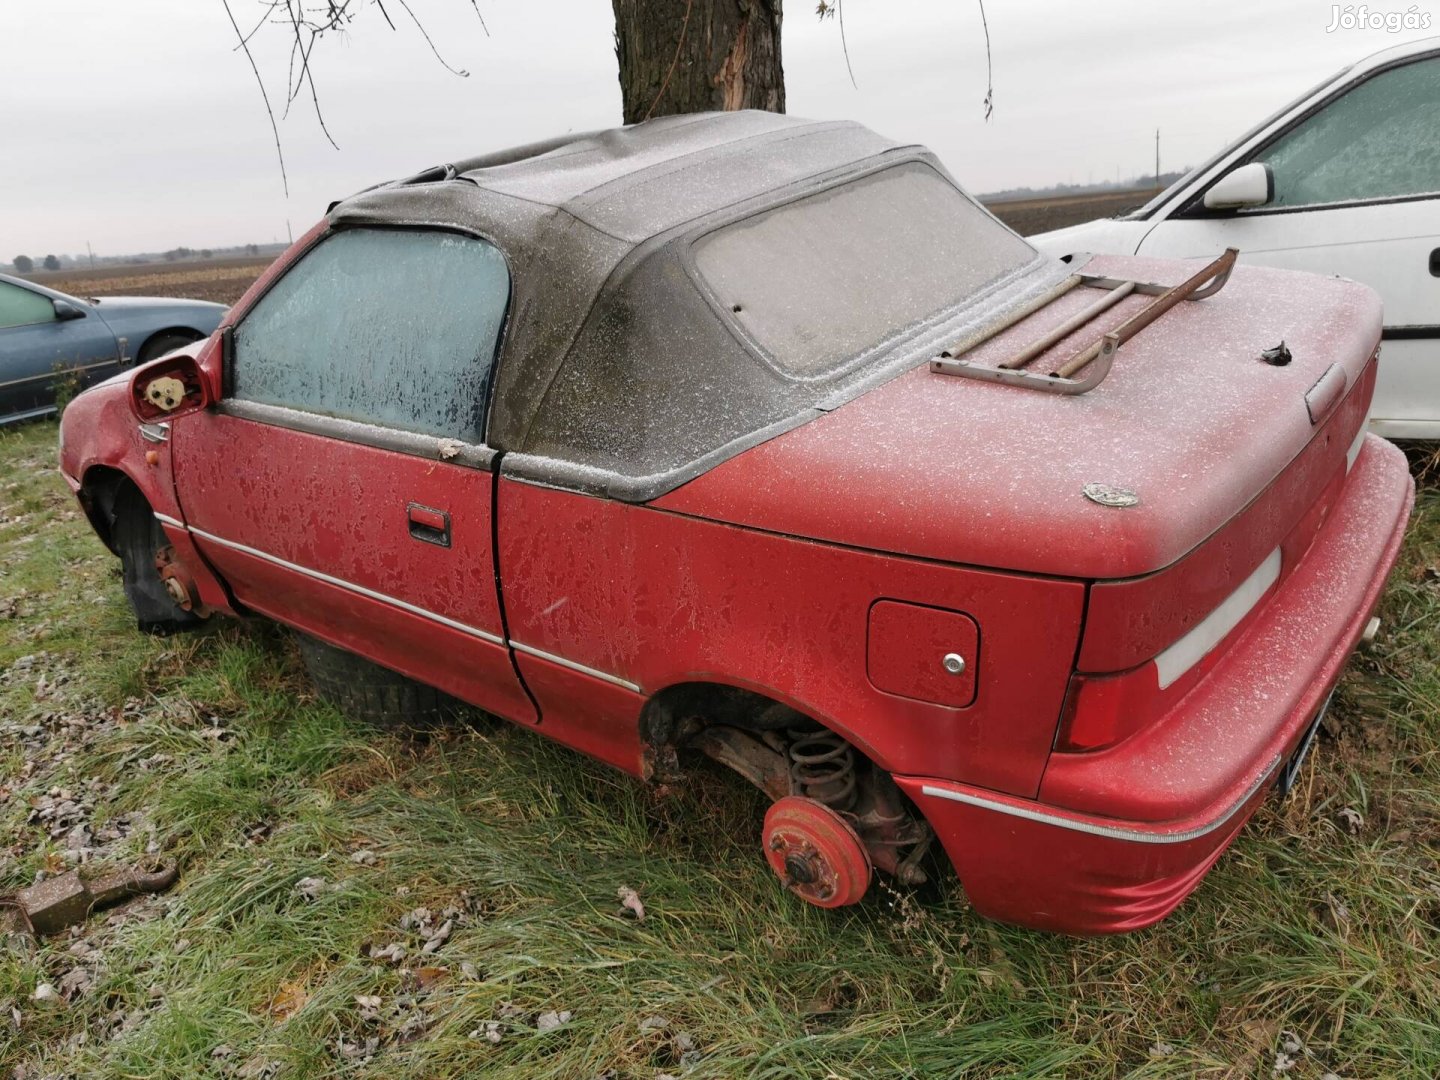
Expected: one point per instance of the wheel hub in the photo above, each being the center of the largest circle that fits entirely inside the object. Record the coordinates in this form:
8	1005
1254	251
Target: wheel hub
173	578
816	853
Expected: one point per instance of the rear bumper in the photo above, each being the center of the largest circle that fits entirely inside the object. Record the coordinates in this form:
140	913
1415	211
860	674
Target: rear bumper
1213	759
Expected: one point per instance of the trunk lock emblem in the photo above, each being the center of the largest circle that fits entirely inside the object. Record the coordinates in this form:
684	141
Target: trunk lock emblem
1106	495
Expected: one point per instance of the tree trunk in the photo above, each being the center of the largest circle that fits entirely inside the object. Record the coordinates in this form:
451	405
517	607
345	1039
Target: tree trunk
681	56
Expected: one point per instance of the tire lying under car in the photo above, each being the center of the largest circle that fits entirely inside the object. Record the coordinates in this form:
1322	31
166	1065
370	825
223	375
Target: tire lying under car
371	693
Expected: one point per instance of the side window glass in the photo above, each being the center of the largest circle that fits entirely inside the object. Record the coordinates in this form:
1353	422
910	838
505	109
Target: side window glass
21	307
385	326
1381	140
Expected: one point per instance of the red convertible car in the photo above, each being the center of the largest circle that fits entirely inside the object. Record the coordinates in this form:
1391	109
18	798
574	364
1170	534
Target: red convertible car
759	438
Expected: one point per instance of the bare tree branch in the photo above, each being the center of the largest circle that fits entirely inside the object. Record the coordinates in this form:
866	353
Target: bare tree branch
989	101
421	27
844	44
835	9
306	26
274	129
828	9
679	44
476	5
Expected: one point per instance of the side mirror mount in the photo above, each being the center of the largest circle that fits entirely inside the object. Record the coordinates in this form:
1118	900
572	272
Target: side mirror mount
1249	185
168	387
65	311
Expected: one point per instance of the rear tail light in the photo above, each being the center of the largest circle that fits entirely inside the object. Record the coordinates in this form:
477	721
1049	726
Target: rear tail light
1102	710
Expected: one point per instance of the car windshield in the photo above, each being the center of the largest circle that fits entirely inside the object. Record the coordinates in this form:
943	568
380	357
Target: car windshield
829	278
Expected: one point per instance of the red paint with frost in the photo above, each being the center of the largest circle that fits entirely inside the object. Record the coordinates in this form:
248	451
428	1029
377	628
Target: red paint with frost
942	503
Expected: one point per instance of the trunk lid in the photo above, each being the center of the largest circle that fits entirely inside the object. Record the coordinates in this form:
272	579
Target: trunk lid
1190	420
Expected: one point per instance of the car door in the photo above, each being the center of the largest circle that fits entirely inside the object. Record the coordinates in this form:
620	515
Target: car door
1356	193
342	485
38	347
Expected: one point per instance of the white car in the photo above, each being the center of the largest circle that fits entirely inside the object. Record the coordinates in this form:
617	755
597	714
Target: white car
1345	181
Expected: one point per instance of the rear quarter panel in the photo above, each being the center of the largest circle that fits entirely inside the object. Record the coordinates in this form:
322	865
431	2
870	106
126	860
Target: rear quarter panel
659	598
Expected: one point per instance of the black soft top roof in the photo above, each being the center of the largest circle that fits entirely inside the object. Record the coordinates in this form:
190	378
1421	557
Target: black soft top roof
615	374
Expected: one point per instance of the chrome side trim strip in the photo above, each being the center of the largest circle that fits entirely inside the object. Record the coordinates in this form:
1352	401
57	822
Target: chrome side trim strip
1111	832
348	586
541	654
360	590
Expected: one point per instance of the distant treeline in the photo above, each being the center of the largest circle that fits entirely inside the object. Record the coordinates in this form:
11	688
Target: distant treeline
1060	190
24	264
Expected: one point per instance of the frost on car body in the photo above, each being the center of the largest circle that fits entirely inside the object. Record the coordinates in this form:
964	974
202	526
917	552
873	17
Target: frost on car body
635	438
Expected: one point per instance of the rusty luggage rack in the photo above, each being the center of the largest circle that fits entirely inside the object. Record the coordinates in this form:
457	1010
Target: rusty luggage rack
1099	354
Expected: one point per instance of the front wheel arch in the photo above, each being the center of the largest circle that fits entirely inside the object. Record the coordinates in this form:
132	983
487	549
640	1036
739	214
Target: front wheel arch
99	491
139	540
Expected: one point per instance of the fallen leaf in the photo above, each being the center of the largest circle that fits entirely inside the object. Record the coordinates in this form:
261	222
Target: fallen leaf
369	1006
429	976
288	1000
75	982
394	952
1339	917
439	937
549	1021
46	994
630	900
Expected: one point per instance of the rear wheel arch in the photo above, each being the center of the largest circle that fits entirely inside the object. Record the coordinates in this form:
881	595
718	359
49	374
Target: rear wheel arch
794	757
667	711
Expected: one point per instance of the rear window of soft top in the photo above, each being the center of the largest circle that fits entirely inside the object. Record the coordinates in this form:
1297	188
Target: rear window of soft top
827	278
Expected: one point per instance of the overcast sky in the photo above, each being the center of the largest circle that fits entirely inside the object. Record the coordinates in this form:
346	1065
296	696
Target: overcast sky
133	125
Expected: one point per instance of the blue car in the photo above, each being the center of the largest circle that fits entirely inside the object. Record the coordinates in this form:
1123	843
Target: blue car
49	339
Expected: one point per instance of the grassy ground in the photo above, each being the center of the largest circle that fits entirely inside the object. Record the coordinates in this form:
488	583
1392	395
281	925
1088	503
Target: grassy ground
308	843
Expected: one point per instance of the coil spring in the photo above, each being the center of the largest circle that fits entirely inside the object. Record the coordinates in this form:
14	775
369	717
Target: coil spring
822	767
